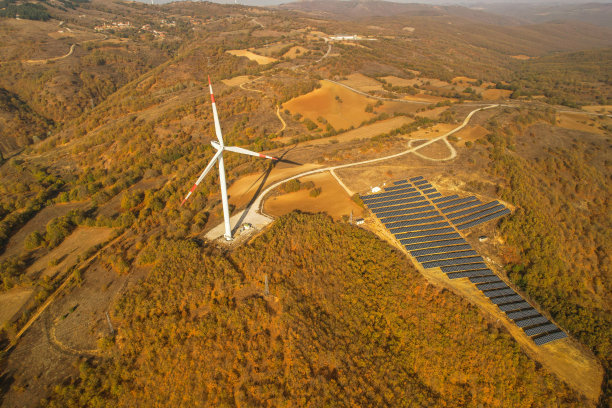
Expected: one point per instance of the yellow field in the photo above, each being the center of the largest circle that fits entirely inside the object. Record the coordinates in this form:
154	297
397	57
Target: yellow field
295	52
11	302
362	83
603	109
322	102
471	133
333	200
521	57
260	59
578	121
461	80
236	81
67	252
494	94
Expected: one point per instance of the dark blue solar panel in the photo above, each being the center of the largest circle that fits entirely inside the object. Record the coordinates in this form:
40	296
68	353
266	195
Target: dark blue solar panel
453	262
442	199
531	321
447	255
400	182
420	207
532	331
521	314
506	299
472	210
491	285
423	187
429	191
461	268
486	279
407	223
404	216
435	244
394	188
394	202
467	274
499	292
515	305
484	219
404	189
434	195
422	227
477	215
402	235
416	178
547	338
429	238
439	250
391	197
455	202
467	204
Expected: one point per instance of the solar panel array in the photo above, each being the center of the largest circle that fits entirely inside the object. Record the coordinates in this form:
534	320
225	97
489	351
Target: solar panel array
427	225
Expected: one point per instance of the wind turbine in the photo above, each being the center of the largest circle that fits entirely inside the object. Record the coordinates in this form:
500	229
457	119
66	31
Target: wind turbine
218	157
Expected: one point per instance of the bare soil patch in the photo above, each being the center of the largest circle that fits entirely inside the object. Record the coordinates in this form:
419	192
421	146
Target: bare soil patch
38	223
295	52
11	303
521	57
236	81
362	83
584	123
495	94
260	59
68	251
471	133
603	109
436	151
333	200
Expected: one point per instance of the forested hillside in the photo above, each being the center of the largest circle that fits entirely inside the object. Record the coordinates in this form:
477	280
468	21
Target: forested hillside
348	322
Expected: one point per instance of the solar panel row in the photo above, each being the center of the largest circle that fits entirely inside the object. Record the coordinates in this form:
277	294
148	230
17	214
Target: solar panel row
549	337
434	195
422	187
393	188
419	182
395	202
479	214
468	274
422	227
514	306
448	204
485	279
532	331
442	199
453	262
491	285
395	224
429	191
447	255
435	244
472	209
416	178
521	314
471	203
499	292
391	197
461	268
414	209
400	189
484	219
439	250
381	212
402	215
429	238
399	234
531	321
506	299
400	182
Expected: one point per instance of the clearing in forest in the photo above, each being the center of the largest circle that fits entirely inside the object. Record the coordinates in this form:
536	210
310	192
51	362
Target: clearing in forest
333	200
39	223
471	133
260	59
603	109
66	254
582	122
495	94
362	83
295	52
236	81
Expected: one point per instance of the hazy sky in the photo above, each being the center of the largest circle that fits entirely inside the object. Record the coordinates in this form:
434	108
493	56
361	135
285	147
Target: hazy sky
441	2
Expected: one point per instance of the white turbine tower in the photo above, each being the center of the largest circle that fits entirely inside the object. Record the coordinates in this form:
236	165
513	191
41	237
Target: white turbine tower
219	157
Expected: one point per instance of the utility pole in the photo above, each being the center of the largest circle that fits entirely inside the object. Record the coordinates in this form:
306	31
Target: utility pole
267	289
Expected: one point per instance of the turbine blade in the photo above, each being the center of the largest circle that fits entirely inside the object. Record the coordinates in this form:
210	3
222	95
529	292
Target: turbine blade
215	115
206	170
245	151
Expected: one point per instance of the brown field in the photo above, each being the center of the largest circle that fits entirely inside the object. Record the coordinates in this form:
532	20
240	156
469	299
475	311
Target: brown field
269	49
333	200
267	33
584	123
521	57
260	59
69	250
242	190
433	113
38	223
295	52
11	302
495	94
432	132
461	80
421	97
471	133
604	109
362	83
323	102
398	107
236	81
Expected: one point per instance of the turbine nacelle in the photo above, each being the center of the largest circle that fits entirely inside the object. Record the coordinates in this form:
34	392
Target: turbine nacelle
216	145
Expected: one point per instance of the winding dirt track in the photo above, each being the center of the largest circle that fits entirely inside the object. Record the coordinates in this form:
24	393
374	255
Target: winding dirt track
44	61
